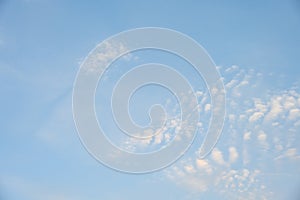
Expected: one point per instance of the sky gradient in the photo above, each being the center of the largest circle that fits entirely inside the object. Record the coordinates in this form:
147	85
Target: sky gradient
255	46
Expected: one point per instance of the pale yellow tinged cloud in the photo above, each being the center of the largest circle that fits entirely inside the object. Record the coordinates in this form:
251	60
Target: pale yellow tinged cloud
233	154
262	136
217	156
294	114
256	116
247	136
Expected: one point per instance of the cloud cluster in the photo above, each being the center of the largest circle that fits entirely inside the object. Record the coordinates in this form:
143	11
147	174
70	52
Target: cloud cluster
259	140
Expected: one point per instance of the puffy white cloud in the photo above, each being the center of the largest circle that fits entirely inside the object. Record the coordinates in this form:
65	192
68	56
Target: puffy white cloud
275	110
233	154
199	93
207	107
189	178
158	138
291	152
294	114
233	68
256	116
189	169
262	136
289	102
231	83
232	184
103	55
246	157
247	135
217	156
259	105
203	165
231	118
273	126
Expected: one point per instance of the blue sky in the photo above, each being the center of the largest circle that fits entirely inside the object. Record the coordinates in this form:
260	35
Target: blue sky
256	47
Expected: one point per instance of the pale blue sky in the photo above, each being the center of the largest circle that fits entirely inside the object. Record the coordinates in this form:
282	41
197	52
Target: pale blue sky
256	45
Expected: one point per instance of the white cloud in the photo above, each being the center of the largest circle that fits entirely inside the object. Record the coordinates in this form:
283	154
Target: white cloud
291	152
207	107
262	136
233	154
103	54
231	184
231	118
294	114
217	156
259	105
266	140
232	68
243	83
246	157
189	169
158	139
199	93
247	135
289	102
203	165
256	116
275	110
231	83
